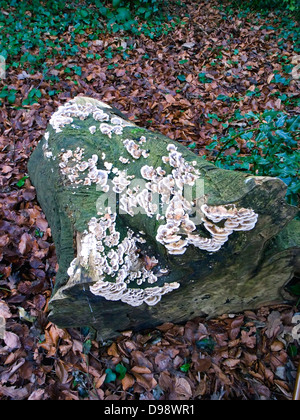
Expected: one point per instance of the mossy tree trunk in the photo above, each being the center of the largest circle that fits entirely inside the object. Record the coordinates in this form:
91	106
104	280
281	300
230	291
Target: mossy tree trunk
135	247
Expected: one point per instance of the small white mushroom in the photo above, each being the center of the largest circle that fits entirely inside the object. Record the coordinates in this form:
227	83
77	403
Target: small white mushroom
87	182
118	129
148	172
92	129
102	178
100	115
93	161
145	201
67	155
105	129
93	174
83	166
120	182
123	160
108	166
133	149
116	121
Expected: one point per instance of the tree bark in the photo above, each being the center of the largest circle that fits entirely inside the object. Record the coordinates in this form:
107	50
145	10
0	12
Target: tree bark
226	243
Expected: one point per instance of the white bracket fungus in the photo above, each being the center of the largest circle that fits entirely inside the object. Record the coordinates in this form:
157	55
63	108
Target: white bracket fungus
179	232
121	181
92	129
123	160
133	149
100	115
82	110
72	167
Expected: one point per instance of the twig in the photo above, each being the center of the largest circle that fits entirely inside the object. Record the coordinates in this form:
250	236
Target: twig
296	395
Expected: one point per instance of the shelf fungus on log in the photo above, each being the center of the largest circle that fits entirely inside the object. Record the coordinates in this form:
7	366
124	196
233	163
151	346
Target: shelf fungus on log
146	232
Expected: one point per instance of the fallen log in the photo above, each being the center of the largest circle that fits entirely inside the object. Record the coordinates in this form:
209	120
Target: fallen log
146	232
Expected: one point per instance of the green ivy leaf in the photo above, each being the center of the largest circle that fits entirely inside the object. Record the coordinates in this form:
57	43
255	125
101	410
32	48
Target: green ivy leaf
110	376
121	370
77	70
185	368
21	182
116	3
181	77
212	145
223	98
11	97
87	345
247	136
207	344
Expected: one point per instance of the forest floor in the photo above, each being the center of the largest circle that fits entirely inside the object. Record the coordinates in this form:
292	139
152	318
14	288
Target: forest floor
161	84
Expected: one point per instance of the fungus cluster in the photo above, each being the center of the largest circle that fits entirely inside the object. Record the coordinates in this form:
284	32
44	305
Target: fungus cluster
116	264
73	109
134	149
134	201
110	129
179	231
72	165
121	181
65	114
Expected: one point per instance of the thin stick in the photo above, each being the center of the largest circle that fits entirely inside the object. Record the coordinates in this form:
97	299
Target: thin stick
296	396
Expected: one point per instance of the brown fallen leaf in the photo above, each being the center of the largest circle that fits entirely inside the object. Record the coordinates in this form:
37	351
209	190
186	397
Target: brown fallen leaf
4	310
52	336
4	240
113	350
140	369
120	72
231	363
25	243
223	378
5	376
127	382
162	361
165	381
141	360
37	395
249	338
277	346
170	99
12	340
14	392
42	224
100	381
147	381
274	324
6	169
182	389
201	364
61	371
